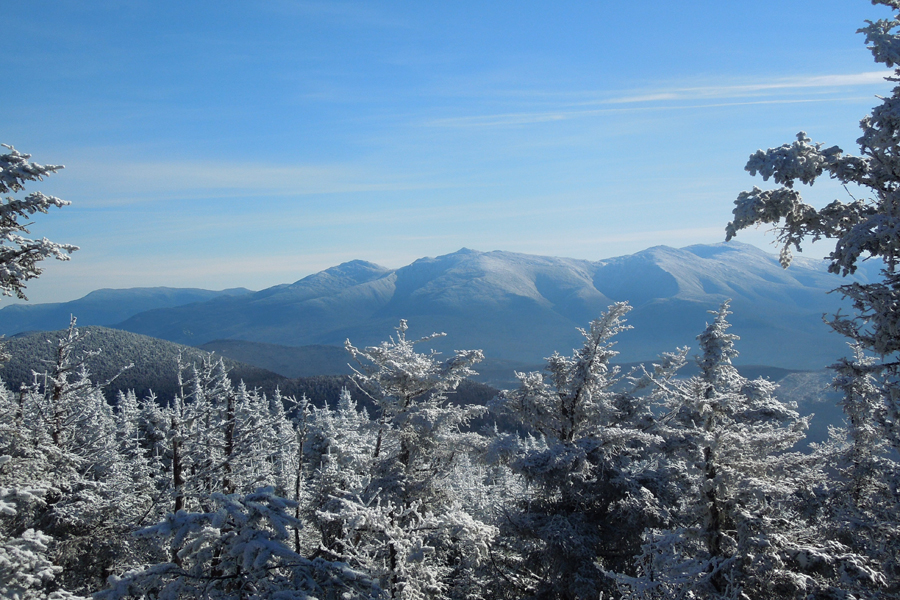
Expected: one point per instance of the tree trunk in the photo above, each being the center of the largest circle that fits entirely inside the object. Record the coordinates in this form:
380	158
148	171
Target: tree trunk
227	483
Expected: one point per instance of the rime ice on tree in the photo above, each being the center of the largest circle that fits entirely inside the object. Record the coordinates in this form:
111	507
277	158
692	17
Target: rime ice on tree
861	228
19	256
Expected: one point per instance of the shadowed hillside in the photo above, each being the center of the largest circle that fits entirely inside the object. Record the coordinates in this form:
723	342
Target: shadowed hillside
155	362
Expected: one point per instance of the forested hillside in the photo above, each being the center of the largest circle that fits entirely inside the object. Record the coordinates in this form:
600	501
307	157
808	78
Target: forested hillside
154	368
153	362
290	361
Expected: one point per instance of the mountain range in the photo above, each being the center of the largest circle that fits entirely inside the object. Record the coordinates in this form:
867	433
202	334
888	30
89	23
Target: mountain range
518	307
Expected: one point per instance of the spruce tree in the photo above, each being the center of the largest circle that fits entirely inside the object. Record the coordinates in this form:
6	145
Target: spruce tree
401	521
19	256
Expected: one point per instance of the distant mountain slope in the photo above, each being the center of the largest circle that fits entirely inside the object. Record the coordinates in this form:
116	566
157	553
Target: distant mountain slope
289	361
520	307
317	360
102	307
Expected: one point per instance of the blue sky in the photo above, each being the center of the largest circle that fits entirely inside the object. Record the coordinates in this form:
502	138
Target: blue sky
226	144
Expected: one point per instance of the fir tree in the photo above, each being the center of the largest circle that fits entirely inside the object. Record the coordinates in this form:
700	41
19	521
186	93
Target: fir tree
587	476
861	228
19	256
399	521
237	550
63	443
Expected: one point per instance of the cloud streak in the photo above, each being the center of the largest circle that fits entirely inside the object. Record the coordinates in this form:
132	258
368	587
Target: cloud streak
827	88
127	183
738	91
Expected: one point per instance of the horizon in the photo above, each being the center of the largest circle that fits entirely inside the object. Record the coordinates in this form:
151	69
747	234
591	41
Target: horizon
216	147
772	255
486	300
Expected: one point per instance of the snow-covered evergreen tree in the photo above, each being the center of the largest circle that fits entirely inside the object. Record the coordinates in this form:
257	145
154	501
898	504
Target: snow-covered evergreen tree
338	460
139	469
398	519
29	567
60	437
215	437
228	459
591	483
237	550
19	256
862	228
865	499
26	571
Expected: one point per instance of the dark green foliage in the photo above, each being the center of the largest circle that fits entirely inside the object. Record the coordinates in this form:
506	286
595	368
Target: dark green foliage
153	362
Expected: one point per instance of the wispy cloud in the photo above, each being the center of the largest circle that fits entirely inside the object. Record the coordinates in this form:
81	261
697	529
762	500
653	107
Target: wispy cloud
738	91
823	88
113	184
526	118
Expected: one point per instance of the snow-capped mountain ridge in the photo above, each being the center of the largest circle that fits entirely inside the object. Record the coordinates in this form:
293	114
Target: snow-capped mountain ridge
523	307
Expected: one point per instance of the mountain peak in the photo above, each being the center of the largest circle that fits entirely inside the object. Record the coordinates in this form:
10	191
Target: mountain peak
355	271
711	250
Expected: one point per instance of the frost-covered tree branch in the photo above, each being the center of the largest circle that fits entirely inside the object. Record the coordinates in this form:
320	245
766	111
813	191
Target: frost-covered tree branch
865	497
19	255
